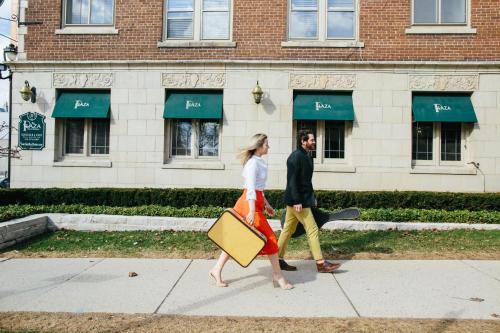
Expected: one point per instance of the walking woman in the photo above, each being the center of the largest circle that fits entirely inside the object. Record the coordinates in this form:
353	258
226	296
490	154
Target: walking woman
251	205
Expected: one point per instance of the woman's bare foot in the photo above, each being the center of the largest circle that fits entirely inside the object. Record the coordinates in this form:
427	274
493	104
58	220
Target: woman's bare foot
217	279
279	280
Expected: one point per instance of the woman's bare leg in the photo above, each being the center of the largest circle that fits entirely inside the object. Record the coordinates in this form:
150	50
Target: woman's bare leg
216	271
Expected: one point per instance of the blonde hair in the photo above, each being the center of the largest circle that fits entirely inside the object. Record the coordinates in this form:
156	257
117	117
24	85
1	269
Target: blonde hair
254	143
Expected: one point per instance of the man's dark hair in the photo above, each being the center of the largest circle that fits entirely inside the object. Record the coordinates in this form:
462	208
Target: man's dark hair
303	135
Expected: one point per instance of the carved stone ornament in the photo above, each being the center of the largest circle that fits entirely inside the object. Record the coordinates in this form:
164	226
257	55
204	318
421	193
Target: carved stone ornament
82	80
322	81
444	82
193	80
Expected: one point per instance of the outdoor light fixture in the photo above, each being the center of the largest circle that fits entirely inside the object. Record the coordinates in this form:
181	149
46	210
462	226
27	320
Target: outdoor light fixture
257	93
10	53
28	92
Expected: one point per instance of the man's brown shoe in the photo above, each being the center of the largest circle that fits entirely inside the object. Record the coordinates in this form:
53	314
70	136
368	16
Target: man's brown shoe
327	267
285	267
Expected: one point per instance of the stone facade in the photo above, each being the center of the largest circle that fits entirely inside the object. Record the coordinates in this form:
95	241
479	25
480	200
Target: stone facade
383	67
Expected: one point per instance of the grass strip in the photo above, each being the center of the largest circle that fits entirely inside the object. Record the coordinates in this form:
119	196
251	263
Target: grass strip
338	244
381	214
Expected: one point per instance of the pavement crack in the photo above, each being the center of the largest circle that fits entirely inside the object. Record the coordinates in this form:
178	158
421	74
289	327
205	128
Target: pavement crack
173	287
345	294
479	270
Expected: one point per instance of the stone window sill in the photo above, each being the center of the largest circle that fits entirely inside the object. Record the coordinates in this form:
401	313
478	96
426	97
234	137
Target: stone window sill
190	43
440	30
83	163
194	164
87	31
337	168
329	43
443	170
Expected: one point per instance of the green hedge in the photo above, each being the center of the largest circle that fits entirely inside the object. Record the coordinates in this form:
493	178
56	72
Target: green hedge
227	197
380	214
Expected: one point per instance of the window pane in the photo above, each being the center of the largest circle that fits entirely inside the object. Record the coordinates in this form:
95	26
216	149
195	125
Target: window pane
182	5
334	139
180	25
345	4
74	136
304	4
303	24
422	141
310	125
216	25
450	141
209	138
453	11
217	5
100	136
340	24
181	137
101	12
425	11
77	11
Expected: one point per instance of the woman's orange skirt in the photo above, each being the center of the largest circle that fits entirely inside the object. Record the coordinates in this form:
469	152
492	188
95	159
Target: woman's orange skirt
260	221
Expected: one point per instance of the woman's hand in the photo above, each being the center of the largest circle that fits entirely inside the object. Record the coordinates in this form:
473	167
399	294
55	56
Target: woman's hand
270	211
250	217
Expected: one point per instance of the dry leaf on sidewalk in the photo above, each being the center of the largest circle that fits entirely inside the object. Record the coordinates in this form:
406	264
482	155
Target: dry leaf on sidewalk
132	274
494	315
476	299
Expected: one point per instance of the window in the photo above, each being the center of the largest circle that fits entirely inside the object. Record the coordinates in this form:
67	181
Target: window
197	19
440	12
193	138
89	12
322	19
86	136
444	138
330	139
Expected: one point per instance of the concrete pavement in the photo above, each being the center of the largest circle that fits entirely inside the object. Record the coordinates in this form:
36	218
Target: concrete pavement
462	289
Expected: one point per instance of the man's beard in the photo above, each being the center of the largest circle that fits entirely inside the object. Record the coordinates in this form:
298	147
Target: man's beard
311	146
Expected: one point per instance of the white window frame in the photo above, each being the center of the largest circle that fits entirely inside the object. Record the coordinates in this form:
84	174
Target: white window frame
83	29
436	148
441	28
87	140
322	164
196	40
322	39
195	134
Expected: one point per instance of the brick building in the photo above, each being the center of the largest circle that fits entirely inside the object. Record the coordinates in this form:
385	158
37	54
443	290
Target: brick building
402	94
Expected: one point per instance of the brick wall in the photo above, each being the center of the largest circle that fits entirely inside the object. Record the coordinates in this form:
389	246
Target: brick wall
259	27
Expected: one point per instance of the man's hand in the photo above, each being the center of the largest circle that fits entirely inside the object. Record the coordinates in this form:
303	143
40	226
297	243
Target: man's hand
298	208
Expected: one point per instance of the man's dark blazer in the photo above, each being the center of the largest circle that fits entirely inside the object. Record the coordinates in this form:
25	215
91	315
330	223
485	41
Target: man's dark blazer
299	189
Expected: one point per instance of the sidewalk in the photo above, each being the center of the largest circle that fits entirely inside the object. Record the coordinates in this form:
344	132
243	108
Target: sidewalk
362	288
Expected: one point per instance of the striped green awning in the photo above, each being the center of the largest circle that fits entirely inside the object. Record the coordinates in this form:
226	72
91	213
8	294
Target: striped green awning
323	106
449	107
193	104
82	104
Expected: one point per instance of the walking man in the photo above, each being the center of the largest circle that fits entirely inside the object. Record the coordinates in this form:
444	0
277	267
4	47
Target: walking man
299	198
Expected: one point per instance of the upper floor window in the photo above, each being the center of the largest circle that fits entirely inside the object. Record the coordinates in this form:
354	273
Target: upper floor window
322	19
89	12
439	11
198	19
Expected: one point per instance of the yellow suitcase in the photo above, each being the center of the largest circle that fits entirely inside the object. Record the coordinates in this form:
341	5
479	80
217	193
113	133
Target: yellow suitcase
237	238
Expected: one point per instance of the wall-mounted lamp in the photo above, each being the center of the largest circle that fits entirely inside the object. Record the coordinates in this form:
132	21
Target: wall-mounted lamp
28	92
257	93
10	53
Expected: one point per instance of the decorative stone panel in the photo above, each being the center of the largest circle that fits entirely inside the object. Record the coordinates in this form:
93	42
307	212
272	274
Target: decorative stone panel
322	81
193	80
444	82
82	80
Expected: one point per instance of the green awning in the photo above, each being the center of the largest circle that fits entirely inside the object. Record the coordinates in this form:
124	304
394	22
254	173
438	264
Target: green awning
193	104
82	104
323	106
432	107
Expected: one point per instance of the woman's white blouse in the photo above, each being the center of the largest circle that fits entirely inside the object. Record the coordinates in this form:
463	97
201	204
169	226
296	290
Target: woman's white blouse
255	175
